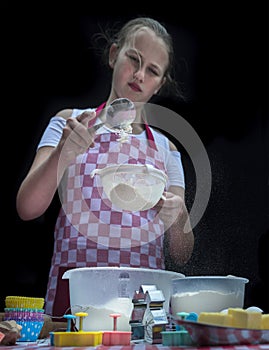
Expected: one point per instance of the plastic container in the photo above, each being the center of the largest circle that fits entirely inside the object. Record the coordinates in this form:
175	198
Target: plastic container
132	187
76	338
176	338
207	293
111	338
101	291
116	337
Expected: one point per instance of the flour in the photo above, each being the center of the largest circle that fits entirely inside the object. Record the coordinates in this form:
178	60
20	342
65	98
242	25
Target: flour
125	130
99	318
130	188
128	197
205	300
135	196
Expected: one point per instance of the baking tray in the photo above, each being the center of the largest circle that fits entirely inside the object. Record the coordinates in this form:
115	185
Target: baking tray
205	334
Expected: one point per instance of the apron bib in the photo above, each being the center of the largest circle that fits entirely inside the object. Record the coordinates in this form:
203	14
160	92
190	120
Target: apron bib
90	230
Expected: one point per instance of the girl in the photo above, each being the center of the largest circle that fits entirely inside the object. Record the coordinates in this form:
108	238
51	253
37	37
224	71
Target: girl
140	57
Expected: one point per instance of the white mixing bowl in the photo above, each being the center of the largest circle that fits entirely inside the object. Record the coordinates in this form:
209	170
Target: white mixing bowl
132	187
207	293
100	291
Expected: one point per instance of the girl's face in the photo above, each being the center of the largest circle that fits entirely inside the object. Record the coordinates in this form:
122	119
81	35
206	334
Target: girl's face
138	67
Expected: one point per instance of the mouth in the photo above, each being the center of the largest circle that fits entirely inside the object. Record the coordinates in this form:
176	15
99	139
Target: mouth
135	87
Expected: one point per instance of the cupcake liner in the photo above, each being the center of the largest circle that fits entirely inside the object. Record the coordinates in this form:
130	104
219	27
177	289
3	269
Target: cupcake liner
30	330
24	314
24	302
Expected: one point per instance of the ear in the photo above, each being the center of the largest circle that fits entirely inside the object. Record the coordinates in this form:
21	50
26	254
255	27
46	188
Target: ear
113	52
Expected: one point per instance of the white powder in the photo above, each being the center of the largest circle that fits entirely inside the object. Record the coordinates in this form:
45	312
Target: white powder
204	300
125	130
128	197
136	194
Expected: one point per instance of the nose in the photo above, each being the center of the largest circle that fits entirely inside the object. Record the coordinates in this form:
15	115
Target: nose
139	74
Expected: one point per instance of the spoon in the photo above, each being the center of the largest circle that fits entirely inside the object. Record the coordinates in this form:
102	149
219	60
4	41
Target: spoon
119	115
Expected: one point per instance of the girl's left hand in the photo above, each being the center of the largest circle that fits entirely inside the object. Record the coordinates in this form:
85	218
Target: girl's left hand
171	209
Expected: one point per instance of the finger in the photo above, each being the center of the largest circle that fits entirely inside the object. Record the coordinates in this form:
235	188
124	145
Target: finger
167	194
85	117
78	134
163	196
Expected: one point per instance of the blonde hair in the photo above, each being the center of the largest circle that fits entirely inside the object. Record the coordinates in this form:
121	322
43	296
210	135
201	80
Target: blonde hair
126	33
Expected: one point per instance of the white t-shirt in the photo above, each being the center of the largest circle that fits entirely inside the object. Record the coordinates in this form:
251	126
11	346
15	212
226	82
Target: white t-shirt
175	172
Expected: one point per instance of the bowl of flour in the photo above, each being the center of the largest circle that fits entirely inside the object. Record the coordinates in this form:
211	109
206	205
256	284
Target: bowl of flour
132	187
207	293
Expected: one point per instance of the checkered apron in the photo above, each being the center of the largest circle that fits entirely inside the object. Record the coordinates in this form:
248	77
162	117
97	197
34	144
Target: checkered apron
90	230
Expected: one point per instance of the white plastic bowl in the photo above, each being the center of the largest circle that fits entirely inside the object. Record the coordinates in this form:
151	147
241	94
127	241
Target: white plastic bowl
100	291
132	187
207	293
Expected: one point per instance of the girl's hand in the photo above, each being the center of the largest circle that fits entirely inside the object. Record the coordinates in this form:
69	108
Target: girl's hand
76	137
172	209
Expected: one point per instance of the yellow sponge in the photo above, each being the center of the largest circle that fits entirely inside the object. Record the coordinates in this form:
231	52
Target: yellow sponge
254	320
265	321
237	318
245	319
215	318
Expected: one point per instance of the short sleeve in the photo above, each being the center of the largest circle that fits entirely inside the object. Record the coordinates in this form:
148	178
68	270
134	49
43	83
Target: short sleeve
53	132
175	169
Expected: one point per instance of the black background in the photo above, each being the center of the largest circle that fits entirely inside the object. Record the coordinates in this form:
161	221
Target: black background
222	61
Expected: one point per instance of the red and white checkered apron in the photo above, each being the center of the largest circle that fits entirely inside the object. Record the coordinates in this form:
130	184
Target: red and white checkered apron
90	230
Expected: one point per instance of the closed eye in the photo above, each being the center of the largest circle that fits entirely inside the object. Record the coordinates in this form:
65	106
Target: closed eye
133	58
154	71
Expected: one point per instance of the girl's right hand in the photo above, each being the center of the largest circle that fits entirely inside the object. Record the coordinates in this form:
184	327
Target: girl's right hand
76	137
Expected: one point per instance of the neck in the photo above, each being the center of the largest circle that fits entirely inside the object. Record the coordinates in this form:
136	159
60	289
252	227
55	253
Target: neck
138	128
